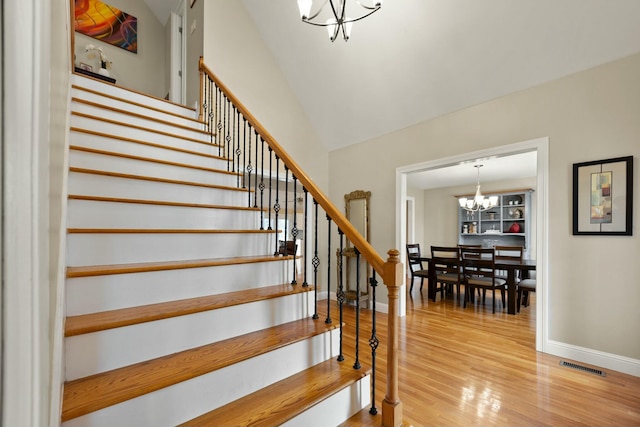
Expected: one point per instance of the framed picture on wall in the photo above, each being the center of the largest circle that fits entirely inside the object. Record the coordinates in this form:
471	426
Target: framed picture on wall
603	197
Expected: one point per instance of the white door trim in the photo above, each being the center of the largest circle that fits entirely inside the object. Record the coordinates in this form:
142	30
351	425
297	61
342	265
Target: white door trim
541	146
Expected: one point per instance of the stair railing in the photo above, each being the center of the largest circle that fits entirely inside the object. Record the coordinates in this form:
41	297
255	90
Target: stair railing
244	144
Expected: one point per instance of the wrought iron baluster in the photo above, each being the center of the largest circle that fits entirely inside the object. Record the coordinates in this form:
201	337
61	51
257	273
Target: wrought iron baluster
207	84
214	115
340	293
304	237
255	184
373	343
227	138
286	204
211	116
270	184
249	168
315	262
244	158
294	230
356	365
328	319
219	132
261	186
219	113
276	205
238	150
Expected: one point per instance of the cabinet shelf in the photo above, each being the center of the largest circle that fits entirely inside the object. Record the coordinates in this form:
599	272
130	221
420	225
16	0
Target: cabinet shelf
513	208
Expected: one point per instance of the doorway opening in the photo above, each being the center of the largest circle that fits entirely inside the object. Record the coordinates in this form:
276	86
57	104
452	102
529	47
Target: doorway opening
541	148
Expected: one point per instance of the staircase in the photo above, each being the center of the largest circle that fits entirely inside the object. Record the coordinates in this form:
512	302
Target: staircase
178	312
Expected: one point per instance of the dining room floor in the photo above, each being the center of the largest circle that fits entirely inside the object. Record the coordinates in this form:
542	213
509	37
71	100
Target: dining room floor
469	367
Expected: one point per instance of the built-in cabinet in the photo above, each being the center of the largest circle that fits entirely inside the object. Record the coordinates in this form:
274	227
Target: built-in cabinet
508	223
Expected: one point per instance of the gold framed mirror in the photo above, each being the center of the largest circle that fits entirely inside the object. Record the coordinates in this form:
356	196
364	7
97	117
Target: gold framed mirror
357	211
356	205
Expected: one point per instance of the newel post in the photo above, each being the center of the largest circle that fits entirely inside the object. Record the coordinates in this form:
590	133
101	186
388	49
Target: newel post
391	405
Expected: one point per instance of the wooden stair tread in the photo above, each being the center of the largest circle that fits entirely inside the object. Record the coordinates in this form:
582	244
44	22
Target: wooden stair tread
138	115
155	179
101	270
146	129
282	401
94	322
164	231
158	202
99	391
149	159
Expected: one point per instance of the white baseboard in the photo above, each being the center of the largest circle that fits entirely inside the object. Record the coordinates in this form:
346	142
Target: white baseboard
614	362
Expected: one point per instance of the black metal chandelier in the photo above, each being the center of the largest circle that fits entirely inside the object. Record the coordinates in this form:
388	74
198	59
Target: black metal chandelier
339	22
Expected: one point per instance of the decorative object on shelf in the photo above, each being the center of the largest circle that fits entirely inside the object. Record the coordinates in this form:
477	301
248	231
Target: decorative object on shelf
515	228
104	62
338	18
465	229
515	213
478	202
106	23
492	215
603	197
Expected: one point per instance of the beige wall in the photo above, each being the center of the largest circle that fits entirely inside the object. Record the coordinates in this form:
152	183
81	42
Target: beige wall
235	52
593	281
144	71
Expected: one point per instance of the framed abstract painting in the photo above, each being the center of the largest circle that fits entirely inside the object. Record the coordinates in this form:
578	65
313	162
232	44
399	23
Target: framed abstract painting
603	197
106	23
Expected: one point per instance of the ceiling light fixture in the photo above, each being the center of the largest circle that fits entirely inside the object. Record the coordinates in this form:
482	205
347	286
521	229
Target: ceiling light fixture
478	202
339	20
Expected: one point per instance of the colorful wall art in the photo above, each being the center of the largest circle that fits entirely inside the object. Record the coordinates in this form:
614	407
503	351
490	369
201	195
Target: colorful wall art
106	23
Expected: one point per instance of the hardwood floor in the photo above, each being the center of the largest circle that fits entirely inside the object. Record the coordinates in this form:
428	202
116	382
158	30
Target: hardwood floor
468	367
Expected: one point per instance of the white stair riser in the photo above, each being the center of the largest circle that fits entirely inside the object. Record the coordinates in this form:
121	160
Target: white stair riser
134	108
123	248
113	90
189	399
95	214
122	146
102	351
165	141
111	292
145	121
87	160
337	408
86	184
123	130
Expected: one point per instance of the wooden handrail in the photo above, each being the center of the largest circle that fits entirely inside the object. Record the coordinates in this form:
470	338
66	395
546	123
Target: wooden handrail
391	271
365	248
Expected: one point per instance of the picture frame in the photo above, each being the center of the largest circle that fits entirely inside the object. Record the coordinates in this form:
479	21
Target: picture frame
86	67
603	197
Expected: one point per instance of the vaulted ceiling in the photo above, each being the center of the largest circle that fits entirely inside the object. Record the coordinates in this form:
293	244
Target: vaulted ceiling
414	60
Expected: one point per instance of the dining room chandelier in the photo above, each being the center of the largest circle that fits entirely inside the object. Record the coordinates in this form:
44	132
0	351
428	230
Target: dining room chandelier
478	202
338	20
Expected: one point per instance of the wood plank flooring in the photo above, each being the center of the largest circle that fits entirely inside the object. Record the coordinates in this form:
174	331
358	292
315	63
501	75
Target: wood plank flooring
468	367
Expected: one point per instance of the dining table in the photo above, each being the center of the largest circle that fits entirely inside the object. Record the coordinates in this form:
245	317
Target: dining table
510	266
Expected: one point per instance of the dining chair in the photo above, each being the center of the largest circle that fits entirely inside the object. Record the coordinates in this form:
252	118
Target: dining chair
415	265
508	253
475	260
446	262
525	286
